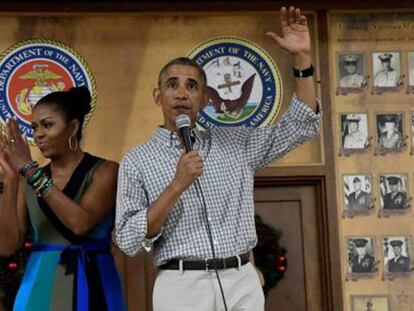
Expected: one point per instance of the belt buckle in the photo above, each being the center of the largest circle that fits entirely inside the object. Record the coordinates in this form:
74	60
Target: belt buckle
213	261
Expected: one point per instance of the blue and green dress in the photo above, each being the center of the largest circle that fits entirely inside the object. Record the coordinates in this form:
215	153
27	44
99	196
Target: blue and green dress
67	271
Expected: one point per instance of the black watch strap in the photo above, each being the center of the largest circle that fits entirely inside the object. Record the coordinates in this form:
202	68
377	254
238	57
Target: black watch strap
303	73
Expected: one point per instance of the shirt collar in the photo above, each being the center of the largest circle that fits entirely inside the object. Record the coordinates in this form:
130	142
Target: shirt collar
171	139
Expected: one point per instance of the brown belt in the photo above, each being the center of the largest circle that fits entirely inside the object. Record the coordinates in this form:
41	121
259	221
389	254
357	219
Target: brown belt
208	264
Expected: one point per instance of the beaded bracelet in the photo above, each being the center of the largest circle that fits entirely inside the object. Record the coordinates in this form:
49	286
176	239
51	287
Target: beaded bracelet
46	188
36	176
27	167
40	182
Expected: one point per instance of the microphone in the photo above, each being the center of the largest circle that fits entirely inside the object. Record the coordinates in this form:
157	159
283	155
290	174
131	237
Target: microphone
183	123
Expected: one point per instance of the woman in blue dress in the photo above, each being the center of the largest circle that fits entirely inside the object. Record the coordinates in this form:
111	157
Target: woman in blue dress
67	207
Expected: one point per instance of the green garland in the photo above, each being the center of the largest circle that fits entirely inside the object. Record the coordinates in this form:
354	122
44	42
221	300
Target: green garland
269	257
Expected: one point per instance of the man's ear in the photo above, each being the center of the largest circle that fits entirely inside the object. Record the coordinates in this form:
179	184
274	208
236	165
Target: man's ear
156	96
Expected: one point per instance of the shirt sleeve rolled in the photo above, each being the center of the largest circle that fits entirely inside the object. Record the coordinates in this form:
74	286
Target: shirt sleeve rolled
297	125
131	209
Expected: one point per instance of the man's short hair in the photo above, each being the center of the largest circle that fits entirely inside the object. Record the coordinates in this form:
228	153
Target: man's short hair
184	61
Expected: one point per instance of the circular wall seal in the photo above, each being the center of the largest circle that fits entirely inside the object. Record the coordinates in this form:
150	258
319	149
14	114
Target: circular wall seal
244	86
34	68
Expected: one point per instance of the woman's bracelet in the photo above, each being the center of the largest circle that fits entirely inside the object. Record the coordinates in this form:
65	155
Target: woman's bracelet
35	178
46	188
27	167
40	182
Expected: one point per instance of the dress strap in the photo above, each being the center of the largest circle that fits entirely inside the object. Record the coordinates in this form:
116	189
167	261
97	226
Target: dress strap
71	189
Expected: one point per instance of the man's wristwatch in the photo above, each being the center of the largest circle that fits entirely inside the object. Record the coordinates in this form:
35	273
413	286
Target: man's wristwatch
303	73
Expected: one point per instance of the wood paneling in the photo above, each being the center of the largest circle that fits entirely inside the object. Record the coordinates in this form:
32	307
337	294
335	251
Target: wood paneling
327	234
293	211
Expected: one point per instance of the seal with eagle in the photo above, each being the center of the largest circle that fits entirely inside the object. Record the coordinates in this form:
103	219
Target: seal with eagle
229	106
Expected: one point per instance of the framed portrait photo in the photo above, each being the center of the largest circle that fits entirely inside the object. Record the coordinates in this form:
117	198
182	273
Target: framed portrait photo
361	257
386	73
354	133
410	56
351	72
357	190
390	133
370	303
412	131
397	251
394	194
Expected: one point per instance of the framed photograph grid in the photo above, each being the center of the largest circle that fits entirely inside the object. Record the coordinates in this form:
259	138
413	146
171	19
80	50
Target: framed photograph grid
385	75
354	134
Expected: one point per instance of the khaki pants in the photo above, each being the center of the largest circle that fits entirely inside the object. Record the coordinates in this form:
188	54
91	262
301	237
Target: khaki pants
176	290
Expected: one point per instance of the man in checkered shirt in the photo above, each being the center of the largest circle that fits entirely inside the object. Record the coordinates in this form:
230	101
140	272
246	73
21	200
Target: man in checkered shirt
160	207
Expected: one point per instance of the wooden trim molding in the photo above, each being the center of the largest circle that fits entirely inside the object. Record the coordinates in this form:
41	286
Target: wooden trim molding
111	6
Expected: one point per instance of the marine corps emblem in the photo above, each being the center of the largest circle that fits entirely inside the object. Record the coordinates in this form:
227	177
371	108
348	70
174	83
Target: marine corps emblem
32	69
244	86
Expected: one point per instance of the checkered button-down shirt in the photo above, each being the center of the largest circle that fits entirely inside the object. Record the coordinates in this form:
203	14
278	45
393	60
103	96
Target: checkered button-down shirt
231	156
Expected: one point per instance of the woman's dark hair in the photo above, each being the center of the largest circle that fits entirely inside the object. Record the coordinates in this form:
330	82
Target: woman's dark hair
74	104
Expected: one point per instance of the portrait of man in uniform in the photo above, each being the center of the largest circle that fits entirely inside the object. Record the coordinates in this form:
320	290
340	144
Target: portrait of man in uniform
351	71
354	131
357	191
386	69
390	131
361	255
411	69
393	190
369	303
397	254
412	130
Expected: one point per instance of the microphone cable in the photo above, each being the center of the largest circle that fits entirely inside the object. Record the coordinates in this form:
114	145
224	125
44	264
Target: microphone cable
183	123
210	237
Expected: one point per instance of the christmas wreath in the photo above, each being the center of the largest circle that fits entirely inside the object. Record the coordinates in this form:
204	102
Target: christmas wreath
11	274
269	256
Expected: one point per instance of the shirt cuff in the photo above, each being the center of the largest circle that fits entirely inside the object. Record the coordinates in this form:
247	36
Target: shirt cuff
302	112
147	244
